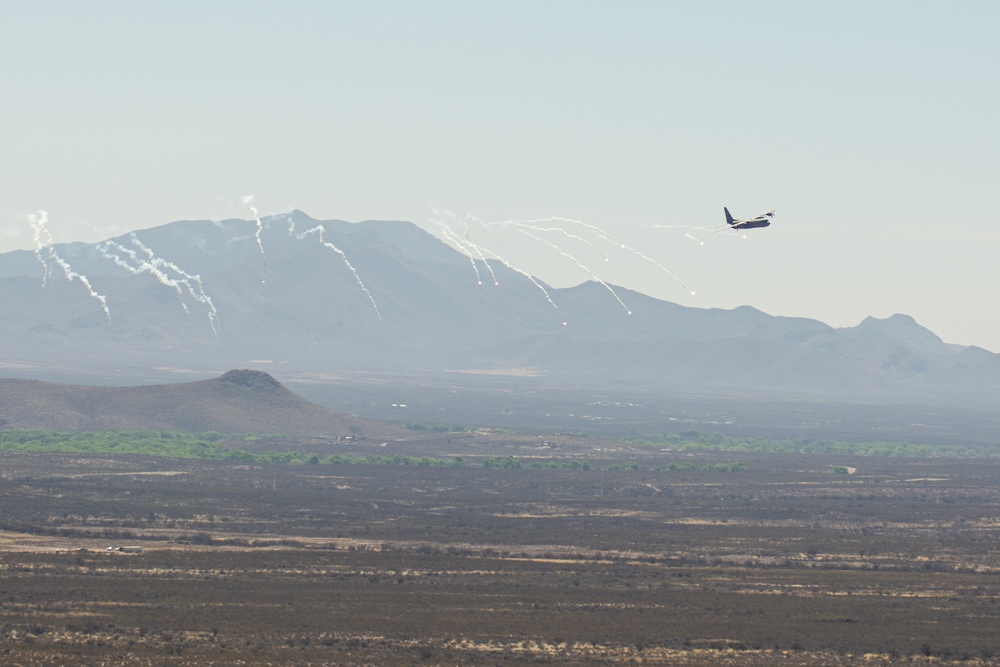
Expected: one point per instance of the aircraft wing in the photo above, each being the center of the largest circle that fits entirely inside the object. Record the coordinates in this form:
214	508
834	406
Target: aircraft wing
727	227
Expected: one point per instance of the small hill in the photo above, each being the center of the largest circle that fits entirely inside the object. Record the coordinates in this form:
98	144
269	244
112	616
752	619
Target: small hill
239	401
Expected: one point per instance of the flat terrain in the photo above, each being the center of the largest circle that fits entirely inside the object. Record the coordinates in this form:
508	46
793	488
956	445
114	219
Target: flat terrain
785	563
537	406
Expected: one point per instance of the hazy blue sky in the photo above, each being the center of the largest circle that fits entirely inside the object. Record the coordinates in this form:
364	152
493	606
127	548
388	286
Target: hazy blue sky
874	124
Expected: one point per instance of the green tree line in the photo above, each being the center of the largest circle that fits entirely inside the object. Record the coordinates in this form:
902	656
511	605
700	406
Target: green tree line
171	444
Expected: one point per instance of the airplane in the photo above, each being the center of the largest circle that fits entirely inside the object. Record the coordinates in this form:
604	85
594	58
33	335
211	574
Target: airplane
762	220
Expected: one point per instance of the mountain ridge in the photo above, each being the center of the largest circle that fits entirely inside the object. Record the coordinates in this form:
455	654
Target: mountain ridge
387	296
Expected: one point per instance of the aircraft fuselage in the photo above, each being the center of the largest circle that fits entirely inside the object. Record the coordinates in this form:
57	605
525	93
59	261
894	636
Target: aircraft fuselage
751	224
762	220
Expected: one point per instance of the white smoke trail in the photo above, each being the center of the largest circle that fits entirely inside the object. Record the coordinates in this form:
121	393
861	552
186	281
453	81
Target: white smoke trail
558	230
187	279
528	226
687	234
623	246
248	202
320	231
38	222
482	251
580	264
479	252
105	249
460	246
529	277
536	225
659	266
464	245
597	230
160	269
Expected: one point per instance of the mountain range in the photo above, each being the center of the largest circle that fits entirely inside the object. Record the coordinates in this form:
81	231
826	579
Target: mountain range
309	297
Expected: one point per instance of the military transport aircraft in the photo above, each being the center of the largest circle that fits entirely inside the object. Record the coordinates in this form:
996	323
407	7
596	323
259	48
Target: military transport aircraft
762	220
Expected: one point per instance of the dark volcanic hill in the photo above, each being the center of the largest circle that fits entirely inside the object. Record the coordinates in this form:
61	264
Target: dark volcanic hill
239	401
197	297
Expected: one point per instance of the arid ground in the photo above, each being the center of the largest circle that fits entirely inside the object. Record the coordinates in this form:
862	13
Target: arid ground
784	563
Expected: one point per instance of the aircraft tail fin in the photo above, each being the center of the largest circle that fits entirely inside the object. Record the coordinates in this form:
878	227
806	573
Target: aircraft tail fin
729	217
